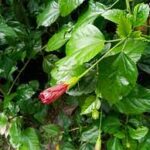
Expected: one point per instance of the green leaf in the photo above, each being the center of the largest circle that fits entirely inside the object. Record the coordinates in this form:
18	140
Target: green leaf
82	48
67	146
117	76
86	146
60	38
114	144
51	130
63	73
29	140
138	133
90	136
132	48
140	14
48	63
86	85
124	27
15	133
144	145
90	104
87	38
3	123
24	92
114	15
137	102
6	33
49	15
7	67
67	6
111	125
94	10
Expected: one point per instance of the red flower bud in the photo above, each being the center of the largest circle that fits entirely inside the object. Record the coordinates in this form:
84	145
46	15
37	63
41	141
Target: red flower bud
53	93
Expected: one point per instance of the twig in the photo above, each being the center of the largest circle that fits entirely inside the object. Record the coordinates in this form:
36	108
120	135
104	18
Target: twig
20	72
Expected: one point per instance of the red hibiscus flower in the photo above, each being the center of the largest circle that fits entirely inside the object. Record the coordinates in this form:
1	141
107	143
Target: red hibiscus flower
53	93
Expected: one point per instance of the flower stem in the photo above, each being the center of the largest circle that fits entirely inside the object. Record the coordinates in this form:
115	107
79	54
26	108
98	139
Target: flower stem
105	55
128	6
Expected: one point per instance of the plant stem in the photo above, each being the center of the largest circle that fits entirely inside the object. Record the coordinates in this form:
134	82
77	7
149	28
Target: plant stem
128	6
113	4
105	55
115	40
20	72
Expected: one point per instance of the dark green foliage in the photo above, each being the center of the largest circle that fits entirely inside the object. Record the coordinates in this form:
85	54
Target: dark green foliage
101	48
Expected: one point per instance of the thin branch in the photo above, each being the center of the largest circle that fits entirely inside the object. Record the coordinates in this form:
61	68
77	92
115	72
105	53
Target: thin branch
17	77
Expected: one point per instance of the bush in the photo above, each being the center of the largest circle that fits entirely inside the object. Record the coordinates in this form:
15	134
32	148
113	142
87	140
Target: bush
74	75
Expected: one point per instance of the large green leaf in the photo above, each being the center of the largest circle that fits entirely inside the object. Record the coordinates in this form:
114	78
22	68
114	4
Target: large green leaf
138	101
117	76
90	104
114	144
140	14
59	39
82	48
90	136
51	130
67	6
133	48
49	15
114	15
138	133
29	140
94	10
111	124
87	38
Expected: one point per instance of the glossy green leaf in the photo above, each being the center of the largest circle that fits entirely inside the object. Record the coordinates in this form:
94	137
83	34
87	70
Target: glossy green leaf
117	77
6	32
137	102
29	140
67	6
132	48
114	144
49	15
3	123
138	133
51	130
24	92
111	125
63	72
84	46
124	27
90	136
87	38
90	104
140	14
59	39
114	15
85	86
94	10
